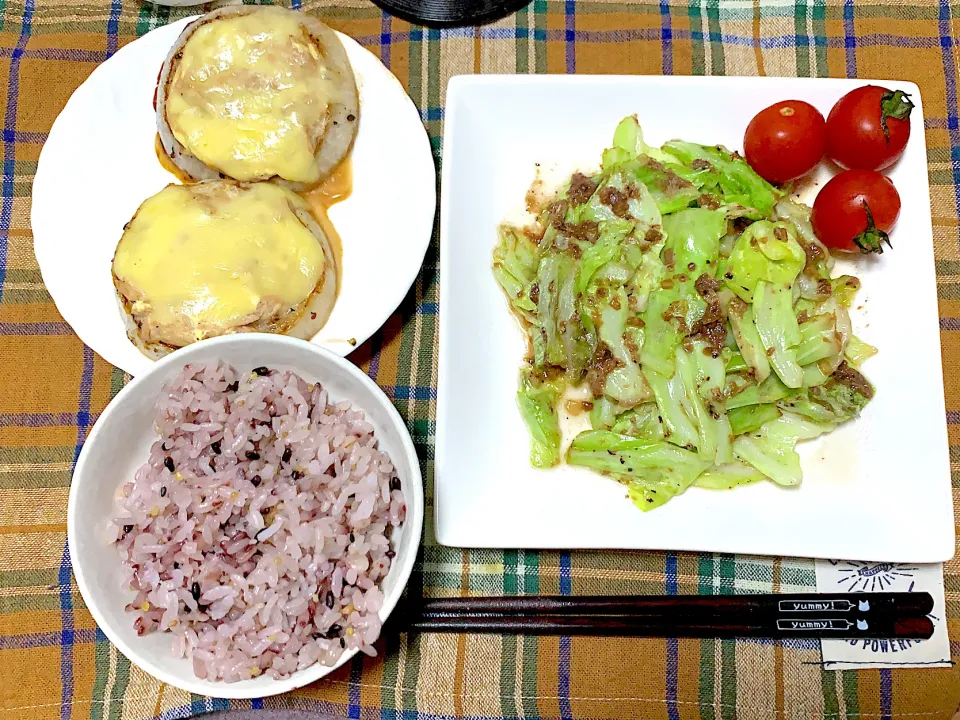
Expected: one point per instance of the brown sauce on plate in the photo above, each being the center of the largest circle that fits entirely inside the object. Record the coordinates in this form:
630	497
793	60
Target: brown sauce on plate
167	164
336	188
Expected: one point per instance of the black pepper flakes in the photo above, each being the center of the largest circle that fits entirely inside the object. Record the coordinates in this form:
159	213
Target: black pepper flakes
255	481
390	554
395	483
329	599
195	591
351	117
163	491
127	529
287	454
168	463
334	631
353	538
261	371
234	386
343	643
251	455
215	446
176	565
297	475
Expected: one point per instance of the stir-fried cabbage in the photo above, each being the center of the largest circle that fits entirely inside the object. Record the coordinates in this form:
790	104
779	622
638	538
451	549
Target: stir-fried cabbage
693	300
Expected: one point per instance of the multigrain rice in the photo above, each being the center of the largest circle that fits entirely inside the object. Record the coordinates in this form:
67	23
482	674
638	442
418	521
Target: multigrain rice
259	530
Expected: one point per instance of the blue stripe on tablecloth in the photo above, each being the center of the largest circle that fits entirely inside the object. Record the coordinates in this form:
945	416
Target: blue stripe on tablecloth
201	704
38	328
386	35
177	713
666	37
405	392
9	121
257	703
563	672
673	645
570	35
886	694
850	38
83	412
935	123
66	634
64	574
376	347
665	34
47	639
73	54
113	27
353	689
950	78
33	420
15	136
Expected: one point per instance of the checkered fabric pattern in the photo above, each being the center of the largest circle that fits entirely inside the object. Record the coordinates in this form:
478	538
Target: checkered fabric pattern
54	663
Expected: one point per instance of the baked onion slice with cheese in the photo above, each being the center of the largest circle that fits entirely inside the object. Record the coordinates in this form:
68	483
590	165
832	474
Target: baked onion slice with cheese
219	257
257	93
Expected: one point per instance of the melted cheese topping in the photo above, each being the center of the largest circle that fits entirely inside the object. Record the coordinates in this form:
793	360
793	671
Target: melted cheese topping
211	253
250	96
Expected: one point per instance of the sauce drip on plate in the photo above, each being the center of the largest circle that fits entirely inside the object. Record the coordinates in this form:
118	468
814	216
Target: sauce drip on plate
336	188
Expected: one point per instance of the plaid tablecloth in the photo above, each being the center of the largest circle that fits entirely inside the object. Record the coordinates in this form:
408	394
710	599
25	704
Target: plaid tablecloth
54	663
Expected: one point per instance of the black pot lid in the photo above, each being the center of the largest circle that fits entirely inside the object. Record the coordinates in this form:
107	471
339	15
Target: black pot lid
450	13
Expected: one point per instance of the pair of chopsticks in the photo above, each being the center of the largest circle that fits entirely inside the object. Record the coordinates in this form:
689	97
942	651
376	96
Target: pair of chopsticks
863	615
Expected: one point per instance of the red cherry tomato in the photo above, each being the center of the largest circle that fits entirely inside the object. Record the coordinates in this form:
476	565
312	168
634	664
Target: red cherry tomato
855	211
868	128
785	140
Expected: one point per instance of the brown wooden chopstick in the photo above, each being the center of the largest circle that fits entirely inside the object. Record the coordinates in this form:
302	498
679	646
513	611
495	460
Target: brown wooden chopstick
873	615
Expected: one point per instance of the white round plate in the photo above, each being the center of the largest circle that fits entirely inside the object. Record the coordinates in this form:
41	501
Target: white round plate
99	164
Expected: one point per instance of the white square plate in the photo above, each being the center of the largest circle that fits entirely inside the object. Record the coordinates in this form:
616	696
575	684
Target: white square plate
875	489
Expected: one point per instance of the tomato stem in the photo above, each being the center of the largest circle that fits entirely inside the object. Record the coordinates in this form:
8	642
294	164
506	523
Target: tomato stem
871	240
896	105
